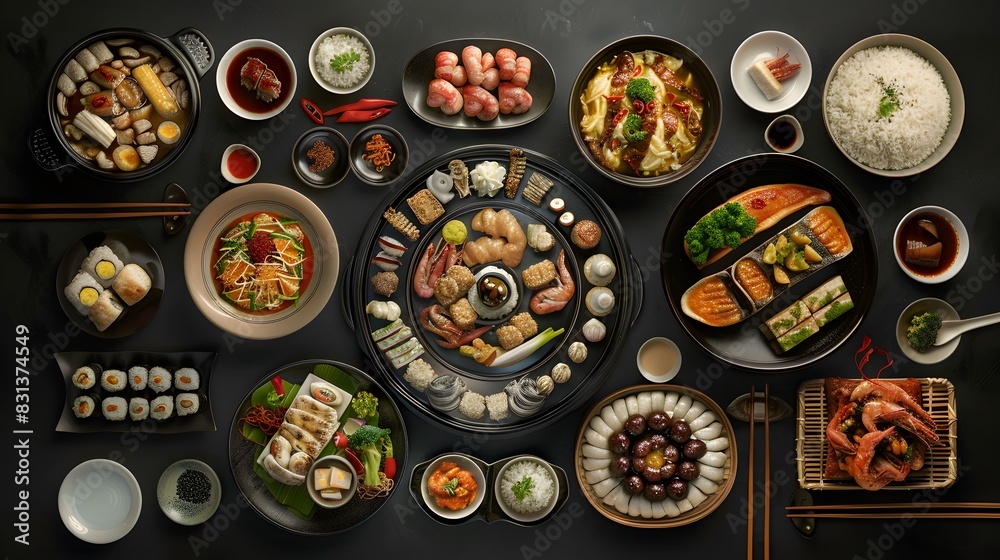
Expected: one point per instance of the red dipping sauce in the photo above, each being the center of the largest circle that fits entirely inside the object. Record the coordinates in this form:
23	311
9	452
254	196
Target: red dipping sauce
249	100
241	164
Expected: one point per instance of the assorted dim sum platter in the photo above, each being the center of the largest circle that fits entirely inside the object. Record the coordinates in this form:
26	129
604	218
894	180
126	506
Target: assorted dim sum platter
450	75
110	283
128	391
278	493
504	307
759	306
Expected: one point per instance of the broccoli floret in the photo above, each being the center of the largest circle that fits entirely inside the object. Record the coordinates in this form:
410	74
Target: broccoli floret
923	330
640	88
365	404
723	227
368	442
633	128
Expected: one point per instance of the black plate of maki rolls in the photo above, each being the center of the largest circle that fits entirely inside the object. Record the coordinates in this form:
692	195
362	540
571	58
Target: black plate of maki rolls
128	391
110	283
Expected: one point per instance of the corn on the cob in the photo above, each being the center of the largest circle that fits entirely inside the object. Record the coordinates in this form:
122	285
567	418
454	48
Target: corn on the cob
157	93
95	127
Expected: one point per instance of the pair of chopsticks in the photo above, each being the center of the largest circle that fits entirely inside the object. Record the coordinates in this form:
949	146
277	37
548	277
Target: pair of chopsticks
767	474
91	210
922	510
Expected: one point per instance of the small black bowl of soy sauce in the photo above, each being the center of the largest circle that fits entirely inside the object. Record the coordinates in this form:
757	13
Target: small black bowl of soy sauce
784	134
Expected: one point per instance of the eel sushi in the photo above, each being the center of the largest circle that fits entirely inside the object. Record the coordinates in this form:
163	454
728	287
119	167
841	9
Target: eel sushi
83	292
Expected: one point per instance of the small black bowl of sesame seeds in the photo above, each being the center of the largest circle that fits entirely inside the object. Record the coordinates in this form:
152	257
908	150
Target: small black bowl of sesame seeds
189	492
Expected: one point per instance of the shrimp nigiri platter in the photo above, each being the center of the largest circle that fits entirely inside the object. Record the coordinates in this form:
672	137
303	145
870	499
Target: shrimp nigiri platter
492	289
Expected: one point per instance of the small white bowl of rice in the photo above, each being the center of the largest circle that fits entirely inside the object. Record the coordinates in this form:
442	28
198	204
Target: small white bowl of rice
527	488
893	105
342	60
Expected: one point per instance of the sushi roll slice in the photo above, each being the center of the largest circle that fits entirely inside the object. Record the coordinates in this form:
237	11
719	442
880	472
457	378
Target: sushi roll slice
84	377
159	379
187	403
187	379
83	292
103	264
138	408
113	380
114	408
138	377
105	310
161	407
83	406
131	284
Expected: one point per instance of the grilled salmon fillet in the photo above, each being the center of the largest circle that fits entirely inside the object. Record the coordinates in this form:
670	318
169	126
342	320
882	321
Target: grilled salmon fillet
769	204
711	302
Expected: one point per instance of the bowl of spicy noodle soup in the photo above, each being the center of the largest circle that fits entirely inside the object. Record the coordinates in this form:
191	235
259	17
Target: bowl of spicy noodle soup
303	252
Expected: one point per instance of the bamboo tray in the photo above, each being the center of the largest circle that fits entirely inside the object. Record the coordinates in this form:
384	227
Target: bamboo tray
941	463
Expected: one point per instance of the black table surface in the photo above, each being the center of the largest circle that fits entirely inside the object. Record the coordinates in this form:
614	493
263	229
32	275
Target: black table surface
568	32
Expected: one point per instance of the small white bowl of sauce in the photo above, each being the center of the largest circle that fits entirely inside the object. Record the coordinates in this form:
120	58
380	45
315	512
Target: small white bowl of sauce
931	244
659	359
784	134
239	163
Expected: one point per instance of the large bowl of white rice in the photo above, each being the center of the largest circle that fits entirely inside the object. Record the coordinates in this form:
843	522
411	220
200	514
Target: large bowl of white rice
893	105
342	60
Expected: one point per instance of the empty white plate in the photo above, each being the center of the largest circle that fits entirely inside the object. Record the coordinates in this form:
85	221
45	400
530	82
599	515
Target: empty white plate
99	501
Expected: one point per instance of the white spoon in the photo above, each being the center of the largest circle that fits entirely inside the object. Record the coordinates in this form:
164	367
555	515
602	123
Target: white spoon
951	329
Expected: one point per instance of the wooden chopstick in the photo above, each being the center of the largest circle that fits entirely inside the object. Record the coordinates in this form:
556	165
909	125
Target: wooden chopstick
87	205
767	473
901	505
913	510
753	405
897	515
89	215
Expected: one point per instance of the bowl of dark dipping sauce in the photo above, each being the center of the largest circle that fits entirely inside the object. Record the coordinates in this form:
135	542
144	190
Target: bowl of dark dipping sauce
931	244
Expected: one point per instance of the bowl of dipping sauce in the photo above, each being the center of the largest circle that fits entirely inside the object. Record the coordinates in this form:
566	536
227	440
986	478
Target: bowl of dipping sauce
931	244
784	134
239	163
659	359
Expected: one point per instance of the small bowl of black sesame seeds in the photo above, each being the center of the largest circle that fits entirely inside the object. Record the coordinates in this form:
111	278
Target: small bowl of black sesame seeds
189	492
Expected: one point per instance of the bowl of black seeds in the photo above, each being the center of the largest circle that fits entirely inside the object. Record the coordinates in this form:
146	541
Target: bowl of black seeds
189	492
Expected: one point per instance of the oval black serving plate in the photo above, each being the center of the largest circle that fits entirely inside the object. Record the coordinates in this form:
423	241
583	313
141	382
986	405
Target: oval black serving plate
490	509
743	345
243	454
419	72
586	377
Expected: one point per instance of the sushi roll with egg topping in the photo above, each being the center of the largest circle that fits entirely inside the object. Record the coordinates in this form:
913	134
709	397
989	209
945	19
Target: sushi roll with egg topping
83	292
103	265
113	380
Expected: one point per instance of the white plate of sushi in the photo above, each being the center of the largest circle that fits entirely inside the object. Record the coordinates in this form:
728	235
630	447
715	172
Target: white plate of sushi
126	391
110	283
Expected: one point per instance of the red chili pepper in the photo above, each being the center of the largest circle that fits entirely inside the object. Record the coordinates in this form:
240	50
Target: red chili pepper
617	118
279	386
312	110
639	106
682	108
355	462
613	98
105	74
670	97
390	467
650	105
365	104
638	70
362	116
340	440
